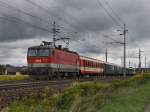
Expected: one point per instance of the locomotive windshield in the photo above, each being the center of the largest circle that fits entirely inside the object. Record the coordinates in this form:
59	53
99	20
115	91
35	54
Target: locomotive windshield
39	52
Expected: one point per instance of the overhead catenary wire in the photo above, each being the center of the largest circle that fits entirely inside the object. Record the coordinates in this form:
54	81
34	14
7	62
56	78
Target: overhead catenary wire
109	14
6	5
51	13
118	17
12	8
121	21
114	12
17	20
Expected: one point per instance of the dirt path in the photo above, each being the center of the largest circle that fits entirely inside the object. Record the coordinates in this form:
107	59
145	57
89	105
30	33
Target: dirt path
147	109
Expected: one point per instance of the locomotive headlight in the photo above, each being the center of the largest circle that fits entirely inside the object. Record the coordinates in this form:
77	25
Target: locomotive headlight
38	61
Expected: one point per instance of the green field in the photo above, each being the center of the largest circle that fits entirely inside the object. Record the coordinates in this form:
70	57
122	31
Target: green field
13	77
132	95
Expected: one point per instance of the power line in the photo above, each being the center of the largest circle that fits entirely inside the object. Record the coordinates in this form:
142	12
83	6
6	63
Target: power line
49	12
19	10
117	16
114	12
6	5
108	13
114	40
17	20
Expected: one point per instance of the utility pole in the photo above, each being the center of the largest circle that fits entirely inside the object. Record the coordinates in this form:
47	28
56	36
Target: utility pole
124	32
129	63
135	66
140	51
124	43
145	62
55	31
106	54
139	58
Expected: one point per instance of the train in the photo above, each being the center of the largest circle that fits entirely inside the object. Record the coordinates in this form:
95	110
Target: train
50	62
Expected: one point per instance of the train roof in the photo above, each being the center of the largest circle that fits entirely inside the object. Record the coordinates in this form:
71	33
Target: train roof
34	47
113	64
91	59
50	47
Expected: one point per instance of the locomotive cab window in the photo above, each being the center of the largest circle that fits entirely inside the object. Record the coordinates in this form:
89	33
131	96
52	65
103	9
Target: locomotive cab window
32	52
39	52
43	52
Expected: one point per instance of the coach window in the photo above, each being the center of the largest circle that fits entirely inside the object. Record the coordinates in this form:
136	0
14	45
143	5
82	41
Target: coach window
90	64
83	62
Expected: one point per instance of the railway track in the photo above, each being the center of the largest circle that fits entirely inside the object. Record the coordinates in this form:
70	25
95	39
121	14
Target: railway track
29	84
10	91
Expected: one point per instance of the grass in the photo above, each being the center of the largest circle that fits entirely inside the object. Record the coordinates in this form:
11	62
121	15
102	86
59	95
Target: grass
13	77
132	95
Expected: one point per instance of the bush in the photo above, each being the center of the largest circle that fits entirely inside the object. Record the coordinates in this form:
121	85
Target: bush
80	96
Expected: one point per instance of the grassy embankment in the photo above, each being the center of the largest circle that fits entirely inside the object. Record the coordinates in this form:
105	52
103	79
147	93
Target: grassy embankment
132	95
13	77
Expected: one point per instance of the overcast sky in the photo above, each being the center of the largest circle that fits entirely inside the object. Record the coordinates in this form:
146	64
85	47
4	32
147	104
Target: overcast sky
25	23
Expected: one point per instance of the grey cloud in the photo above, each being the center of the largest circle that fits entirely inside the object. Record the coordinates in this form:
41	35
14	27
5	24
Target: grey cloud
82	16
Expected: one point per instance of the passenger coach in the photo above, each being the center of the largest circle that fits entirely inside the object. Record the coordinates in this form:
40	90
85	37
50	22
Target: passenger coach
91	67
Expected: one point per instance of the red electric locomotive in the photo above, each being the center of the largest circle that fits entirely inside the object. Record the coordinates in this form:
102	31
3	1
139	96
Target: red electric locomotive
48	62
